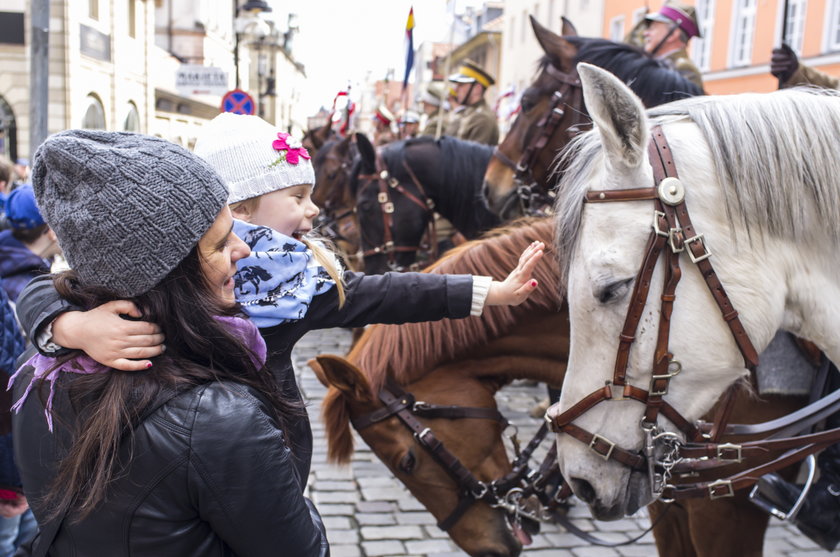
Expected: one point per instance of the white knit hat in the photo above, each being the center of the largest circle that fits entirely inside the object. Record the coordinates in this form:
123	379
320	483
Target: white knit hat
252	156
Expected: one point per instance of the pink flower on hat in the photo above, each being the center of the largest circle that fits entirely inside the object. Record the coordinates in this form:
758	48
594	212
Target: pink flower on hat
293	149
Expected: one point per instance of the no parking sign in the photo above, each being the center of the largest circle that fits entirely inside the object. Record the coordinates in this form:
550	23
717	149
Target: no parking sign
238	102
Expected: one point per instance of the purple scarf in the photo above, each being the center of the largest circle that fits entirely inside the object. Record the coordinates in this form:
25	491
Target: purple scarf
47	370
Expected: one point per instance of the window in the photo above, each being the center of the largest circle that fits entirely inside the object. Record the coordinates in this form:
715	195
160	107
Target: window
93	9
94	118
639	15
511	29
132	19
701	49
795	24
617	28
743	25
832	29
132	119
524	24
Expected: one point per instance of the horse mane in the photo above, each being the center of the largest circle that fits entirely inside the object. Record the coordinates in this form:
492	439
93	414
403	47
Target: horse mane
413	349
457	167
774	157
652	80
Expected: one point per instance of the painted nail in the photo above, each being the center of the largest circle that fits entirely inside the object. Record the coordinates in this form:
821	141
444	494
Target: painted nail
533	284
148	365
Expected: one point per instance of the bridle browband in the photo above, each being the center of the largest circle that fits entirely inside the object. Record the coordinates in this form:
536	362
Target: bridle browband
532	198
665	453
387	183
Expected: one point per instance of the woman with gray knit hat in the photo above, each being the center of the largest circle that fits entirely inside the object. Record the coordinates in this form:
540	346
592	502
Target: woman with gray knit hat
189	458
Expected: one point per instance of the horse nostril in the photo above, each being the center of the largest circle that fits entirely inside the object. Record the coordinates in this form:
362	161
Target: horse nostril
583	489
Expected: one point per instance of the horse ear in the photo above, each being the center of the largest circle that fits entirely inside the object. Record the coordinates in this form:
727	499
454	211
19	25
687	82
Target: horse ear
617	113
561	52
367	153
320	136
343	146
335	371
569	29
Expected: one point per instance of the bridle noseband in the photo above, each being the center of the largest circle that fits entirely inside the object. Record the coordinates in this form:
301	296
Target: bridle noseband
532	198
697	450
508	493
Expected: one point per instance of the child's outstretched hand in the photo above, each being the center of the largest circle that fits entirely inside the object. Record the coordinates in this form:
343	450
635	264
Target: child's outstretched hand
108	338
519	284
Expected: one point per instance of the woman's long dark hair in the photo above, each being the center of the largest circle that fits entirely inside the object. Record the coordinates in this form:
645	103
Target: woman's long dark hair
199	349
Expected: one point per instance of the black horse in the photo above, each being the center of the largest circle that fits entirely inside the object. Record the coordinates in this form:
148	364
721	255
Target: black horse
421	176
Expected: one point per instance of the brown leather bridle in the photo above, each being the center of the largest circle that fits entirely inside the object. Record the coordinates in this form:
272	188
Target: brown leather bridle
386	184
508	493
533	199
665	453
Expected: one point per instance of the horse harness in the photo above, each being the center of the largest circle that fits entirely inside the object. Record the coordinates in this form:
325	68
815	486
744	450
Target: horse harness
510	492
665	454
336	219
386	182
533	201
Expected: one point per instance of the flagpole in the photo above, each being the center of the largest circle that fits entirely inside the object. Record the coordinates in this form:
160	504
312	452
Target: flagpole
446	67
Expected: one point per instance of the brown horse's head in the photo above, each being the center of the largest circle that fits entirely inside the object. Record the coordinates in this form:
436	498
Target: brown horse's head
477	443
551	113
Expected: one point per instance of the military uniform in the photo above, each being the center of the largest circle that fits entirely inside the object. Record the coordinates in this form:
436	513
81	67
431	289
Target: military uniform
431	127
681	62
478	123
805	75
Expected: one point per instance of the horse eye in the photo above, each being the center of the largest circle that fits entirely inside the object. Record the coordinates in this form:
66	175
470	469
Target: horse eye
526	103
614	291
408	462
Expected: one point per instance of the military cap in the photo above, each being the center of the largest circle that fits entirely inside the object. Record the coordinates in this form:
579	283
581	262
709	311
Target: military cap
470	72
684	15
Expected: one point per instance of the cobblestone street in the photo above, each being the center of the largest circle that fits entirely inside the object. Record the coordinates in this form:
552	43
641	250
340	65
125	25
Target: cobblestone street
369	514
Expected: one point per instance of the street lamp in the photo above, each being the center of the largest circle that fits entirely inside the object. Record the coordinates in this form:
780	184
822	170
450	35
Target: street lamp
248	23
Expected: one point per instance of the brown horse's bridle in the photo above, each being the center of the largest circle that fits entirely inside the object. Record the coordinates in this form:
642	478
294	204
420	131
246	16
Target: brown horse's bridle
532	199
386	183
509	493
665	454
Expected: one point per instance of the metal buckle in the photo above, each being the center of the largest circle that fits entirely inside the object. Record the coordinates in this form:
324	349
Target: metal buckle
595	439
382	197
656	216
616	391
672	233
384	174
724	448
388	207
388	247
699	238
727	491
653	378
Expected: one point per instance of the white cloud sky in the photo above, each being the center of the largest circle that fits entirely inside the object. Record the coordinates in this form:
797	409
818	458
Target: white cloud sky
341	41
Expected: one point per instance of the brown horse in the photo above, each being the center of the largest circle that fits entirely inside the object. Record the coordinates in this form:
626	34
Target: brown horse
519	179
333	164
464	362
453	362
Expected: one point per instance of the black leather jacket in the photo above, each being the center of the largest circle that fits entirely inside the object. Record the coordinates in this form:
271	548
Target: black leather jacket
209	474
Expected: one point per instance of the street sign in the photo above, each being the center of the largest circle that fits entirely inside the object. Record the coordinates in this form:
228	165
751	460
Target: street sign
238	102
192	79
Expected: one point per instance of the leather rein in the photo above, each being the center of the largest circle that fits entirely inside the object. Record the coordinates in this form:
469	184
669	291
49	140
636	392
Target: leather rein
386	184
698	450
531	197
509	492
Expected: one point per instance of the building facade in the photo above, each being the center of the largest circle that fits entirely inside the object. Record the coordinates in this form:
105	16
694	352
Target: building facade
739	36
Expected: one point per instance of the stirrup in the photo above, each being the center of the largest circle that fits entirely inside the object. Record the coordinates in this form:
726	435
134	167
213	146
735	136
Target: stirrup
760	499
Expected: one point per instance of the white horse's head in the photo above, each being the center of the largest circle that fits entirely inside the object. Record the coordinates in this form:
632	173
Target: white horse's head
601	246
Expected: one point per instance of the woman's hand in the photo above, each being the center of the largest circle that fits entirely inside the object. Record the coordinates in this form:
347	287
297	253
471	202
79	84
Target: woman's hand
10	508
519	284
108	338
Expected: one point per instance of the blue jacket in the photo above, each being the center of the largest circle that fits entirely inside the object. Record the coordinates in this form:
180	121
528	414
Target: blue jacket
18	265
11	346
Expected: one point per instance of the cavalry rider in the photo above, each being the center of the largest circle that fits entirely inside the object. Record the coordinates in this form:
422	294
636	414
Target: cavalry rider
382	120
667	35
409	124
433	103
473	120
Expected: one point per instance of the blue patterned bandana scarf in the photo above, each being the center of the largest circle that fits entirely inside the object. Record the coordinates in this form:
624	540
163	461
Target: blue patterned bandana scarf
277	282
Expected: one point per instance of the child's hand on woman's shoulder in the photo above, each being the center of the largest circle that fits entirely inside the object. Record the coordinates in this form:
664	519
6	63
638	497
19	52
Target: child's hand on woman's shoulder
519	284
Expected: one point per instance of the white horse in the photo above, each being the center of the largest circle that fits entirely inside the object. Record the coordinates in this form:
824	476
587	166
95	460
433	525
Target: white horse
761	175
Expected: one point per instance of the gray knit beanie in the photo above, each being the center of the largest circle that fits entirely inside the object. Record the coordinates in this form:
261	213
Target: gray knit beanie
127	208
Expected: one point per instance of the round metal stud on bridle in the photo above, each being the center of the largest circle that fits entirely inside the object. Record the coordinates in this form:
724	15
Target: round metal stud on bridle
671	191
